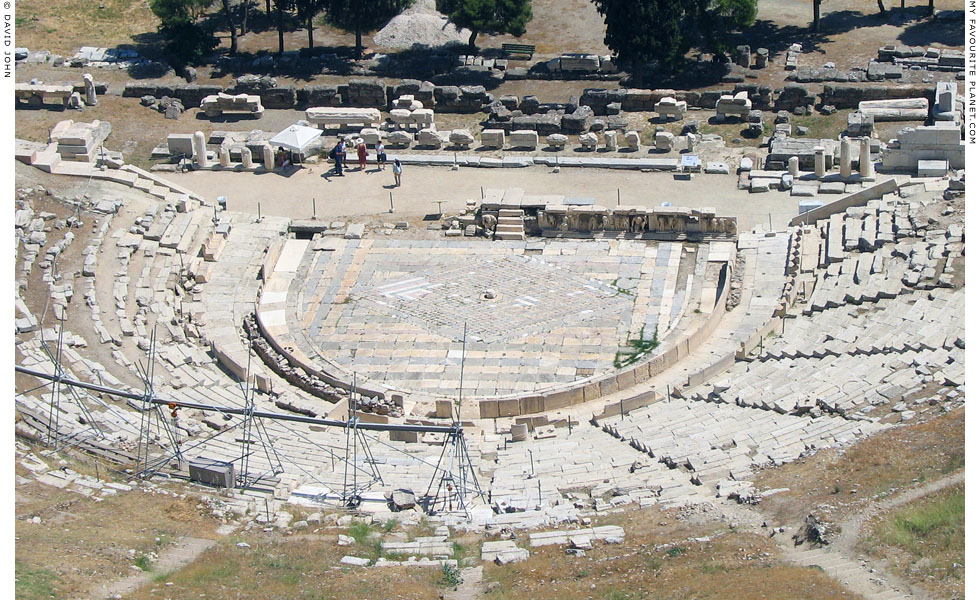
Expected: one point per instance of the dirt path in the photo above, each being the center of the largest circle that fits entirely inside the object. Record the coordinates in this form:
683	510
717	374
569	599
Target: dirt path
472	586
183	553
839	560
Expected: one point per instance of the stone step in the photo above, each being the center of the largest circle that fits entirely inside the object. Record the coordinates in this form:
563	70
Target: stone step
511	221
143	184
47	160
509	228
159	191
510	236
510	212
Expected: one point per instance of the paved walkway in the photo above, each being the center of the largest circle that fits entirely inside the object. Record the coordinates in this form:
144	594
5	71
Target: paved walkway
367	193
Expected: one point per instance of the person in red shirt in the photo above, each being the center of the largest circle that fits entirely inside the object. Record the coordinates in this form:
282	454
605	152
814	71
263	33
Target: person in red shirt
362	153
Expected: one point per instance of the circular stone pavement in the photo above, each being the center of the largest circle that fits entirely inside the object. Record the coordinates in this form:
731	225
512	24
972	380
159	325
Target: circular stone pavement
536	315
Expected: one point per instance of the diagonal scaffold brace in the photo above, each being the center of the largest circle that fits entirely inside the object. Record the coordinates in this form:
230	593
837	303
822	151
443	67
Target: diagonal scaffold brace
454	483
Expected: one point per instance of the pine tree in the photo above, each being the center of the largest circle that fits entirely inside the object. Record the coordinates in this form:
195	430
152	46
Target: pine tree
362	16
487	16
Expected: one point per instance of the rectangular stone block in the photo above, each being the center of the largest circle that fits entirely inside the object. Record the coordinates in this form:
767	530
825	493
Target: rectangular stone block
608	386
591	391
626	379
489	409
509	407
532	404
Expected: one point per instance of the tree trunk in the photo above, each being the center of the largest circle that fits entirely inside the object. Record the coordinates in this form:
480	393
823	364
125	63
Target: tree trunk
816	15
473	41
245	16
358	47
226	7
280	26
881	7
637	70
309	29
268	7
932	7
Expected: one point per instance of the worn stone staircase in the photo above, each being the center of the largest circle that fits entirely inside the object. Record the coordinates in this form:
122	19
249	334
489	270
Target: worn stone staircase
46	158
510	224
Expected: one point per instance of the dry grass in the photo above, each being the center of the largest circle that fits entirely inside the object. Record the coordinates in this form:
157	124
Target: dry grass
80	541
889	461
277	567
651	564
62	26
925	541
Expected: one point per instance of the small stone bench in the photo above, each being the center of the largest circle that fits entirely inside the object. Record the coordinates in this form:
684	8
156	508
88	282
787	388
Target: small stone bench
38	95
321	116
219	105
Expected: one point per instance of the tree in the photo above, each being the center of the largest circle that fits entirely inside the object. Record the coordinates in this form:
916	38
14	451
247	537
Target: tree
707	21
187	39
487	16
282	6
362	16
307	10
639	31
229	15
816	16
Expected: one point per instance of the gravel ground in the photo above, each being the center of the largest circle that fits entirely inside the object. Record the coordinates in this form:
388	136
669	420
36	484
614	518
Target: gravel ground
421	24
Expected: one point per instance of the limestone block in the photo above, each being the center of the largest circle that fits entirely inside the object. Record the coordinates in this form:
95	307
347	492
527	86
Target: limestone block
370	135
430	138
200	150
557	141
406	101
325	115
423	117
905	109
664	140
400	139
268	158
589	141
401	116
461	137
524	138
632	139
493	138
246	157
670	109
611	140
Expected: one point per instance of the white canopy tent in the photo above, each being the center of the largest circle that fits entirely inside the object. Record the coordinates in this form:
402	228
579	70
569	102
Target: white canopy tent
296	138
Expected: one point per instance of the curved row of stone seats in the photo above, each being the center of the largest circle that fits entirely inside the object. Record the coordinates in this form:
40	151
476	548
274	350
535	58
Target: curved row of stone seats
115	422
847	385
719	442
916	321
764	275
231	289
583	467
873	228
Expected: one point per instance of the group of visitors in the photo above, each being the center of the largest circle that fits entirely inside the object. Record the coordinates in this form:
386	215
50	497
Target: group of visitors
339	156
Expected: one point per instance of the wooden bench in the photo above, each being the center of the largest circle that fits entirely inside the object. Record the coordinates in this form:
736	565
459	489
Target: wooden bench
519	49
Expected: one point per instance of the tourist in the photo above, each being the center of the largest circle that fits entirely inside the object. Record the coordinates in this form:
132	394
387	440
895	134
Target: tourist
338	153
397	170
379	148
361	153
